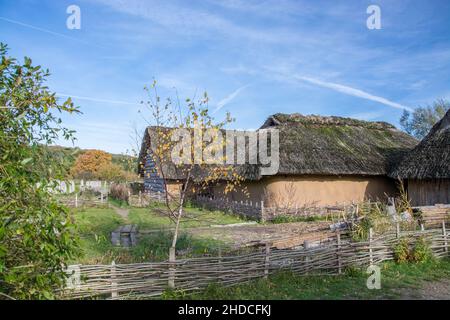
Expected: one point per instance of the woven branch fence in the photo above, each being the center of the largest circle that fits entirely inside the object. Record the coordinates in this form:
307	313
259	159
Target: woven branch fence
125	281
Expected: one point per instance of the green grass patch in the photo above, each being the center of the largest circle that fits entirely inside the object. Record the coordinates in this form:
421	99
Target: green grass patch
118	203
294	218
154	217
351	285
96	224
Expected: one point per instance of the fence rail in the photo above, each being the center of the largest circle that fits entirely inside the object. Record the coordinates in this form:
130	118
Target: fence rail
124	281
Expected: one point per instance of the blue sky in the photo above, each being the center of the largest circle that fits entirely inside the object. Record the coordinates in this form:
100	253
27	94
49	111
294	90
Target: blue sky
254	58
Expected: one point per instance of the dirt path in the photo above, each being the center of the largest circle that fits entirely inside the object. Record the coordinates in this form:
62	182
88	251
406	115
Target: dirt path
433	290
285	233
122	212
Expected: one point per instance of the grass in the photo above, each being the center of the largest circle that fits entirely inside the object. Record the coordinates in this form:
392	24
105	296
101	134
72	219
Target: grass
351	285
96	224
293	218
118	203
154	217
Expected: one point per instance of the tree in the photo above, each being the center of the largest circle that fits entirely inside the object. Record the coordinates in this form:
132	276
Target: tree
171	125
114	172
422	119
37	236
88	164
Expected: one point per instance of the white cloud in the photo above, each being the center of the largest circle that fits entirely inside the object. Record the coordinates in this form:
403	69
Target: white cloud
352	92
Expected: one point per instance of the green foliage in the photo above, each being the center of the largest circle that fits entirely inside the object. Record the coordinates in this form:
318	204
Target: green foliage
36	234
370	215
419	123
295	218
69	155
419	252
402	251
287	285
171	294
95	226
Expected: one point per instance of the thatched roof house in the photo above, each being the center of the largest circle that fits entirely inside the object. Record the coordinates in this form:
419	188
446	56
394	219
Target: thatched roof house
337	146
426	169
323	161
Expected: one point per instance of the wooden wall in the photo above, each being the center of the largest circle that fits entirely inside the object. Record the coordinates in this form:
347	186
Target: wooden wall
429	192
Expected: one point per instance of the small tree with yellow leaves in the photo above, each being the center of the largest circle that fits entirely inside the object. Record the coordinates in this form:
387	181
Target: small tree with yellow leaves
187	141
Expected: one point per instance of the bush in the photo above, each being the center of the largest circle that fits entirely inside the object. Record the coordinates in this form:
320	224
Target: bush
402	251
37	237
119	191
285	218
420	252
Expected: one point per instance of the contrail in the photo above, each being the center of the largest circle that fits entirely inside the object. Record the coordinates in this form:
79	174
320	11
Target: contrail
48	31
353	92
97	99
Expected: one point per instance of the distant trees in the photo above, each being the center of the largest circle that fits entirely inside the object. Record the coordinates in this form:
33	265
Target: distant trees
97	164
37	237
88	164
421	120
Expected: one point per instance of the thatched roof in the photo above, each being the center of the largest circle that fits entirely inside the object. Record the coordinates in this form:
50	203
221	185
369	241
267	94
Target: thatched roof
326	146
431	158
337	146
174	172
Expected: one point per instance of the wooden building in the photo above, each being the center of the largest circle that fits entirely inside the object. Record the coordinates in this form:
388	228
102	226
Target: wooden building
426	169
322	161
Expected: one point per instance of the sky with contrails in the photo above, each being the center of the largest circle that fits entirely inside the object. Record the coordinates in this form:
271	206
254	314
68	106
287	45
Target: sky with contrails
254	58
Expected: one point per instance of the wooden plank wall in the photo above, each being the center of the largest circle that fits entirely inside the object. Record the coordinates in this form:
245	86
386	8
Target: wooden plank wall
429	192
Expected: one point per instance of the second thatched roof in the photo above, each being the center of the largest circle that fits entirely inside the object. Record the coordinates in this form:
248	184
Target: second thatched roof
431	158
317	145
337	146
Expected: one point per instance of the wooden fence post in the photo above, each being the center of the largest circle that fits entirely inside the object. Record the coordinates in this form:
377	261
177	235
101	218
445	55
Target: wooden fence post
267	261
338	253
172	259
306	246
444	233
370	246
220	263
263	218
114	291
76	200
397	230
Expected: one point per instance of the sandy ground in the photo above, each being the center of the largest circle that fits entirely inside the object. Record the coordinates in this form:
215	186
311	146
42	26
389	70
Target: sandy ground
434	290
248	234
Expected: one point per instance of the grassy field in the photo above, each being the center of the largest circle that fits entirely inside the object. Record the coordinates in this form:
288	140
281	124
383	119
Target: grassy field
155	218
95	226
396	281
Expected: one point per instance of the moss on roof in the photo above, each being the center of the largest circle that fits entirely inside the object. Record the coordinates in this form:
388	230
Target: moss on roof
337	146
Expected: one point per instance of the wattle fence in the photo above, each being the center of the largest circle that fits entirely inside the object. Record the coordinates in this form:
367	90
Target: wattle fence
143	280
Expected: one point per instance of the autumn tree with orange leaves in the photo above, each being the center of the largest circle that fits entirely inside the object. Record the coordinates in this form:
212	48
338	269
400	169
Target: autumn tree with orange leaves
89	164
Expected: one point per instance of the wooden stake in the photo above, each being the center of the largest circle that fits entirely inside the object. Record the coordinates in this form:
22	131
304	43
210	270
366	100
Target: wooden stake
267	261
338	253
397	231
444	233
114	291
370	246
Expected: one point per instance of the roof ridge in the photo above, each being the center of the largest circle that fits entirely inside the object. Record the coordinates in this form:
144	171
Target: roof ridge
298	118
